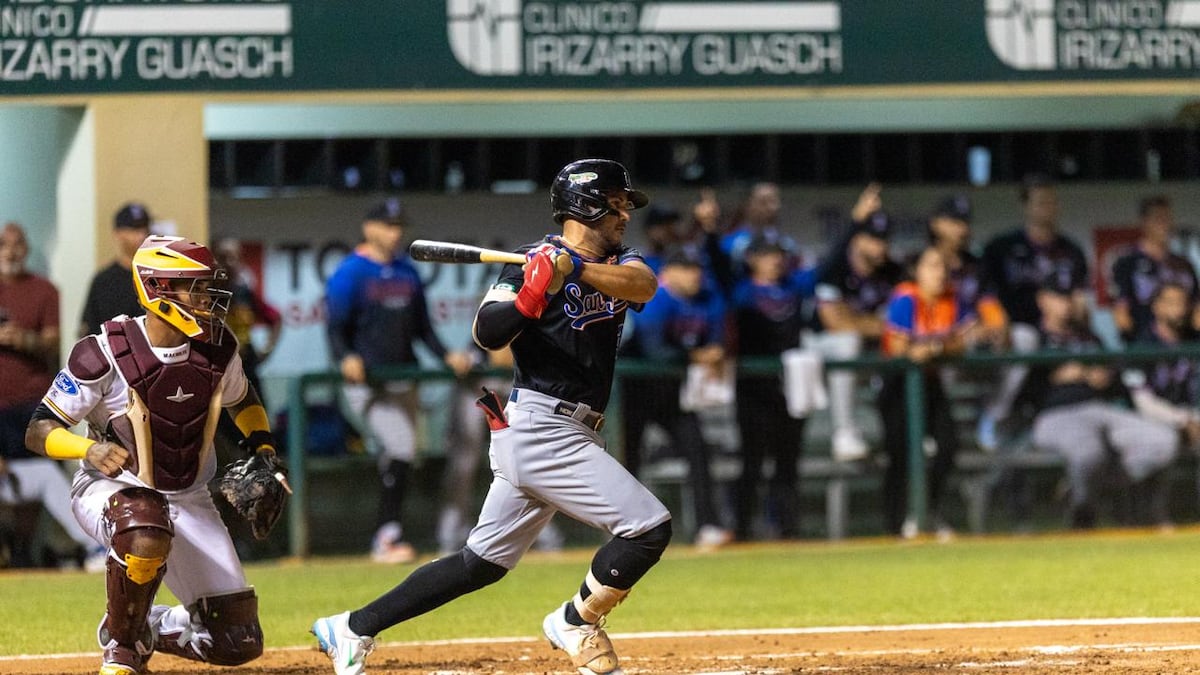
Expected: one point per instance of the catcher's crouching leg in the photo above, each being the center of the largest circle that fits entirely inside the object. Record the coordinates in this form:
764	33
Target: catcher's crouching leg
219	629
140	521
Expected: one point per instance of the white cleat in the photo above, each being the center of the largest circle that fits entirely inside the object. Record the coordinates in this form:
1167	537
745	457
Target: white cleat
347	650
588	646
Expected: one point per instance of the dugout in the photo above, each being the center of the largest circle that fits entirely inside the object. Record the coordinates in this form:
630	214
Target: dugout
278	121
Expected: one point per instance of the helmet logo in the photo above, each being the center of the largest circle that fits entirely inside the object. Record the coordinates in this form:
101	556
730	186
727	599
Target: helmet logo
581	178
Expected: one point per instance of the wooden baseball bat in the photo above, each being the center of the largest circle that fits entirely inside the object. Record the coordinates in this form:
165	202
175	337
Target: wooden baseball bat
449	252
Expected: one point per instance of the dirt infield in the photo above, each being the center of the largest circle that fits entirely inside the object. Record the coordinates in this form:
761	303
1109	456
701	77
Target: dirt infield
1108	647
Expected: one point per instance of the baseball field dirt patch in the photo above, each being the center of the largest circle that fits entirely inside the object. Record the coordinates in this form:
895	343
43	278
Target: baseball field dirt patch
1106	646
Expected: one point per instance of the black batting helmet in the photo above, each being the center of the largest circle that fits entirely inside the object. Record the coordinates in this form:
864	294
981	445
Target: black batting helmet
582	188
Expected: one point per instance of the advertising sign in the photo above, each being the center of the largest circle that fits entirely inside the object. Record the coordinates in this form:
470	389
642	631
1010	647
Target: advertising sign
111	46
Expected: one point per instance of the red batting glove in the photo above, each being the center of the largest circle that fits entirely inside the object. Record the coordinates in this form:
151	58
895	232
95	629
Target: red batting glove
534	294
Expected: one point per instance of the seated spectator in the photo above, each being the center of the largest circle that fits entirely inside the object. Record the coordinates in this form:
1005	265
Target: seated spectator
1167	391
1014	264
1137	275
1078	417
852	287
684	324
29	334
925	322
770	313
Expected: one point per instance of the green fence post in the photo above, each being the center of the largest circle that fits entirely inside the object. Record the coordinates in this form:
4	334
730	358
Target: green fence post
914	399
298	504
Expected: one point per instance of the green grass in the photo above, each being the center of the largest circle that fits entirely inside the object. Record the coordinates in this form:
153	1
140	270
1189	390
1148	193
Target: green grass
866	582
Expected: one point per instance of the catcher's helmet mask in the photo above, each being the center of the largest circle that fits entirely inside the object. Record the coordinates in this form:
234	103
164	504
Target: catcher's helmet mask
583	190
175	281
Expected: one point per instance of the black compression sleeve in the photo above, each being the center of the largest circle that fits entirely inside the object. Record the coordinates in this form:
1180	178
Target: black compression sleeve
43	412
497	323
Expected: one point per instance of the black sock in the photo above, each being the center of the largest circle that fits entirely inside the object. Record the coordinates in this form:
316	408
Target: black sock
394	479
429	587
572	615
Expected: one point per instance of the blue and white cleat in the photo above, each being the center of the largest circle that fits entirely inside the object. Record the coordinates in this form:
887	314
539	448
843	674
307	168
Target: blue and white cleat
347	650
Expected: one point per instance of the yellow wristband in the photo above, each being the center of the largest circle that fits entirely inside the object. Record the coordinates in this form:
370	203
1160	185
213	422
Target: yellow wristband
252	419
62	444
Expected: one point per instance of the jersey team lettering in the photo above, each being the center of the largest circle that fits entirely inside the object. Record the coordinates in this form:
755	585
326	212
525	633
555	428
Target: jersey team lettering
590	308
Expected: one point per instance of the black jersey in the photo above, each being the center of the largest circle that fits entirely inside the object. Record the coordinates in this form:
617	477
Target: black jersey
1047	394
1176	381
838	282
1137	277
968	280
570	353
1014	267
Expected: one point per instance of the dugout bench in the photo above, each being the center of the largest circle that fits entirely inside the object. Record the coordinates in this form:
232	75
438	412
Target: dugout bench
976	470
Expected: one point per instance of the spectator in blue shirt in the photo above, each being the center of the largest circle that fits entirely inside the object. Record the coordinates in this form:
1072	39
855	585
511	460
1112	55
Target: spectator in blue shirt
771	306
757	217
376	311
683	324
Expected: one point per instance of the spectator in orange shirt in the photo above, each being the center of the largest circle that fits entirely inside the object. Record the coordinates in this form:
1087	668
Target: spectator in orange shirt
925	322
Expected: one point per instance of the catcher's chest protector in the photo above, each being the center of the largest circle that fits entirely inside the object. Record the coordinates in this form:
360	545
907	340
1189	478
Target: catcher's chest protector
173	408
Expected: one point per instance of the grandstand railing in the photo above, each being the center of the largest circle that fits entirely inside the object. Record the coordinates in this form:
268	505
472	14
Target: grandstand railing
298	521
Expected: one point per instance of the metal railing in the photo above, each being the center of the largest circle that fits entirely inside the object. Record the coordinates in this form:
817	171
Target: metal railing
298	521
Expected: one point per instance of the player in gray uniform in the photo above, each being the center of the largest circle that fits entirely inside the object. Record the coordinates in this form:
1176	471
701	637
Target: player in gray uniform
561	313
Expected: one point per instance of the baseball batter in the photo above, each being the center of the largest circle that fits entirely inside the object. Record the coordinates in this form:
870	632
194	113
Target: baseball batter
150	389
562	314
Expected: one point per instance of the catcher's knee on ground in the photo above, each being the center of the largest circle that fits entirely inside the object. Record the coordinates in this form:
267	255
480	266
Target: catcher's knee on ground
219	629
139	519
232	620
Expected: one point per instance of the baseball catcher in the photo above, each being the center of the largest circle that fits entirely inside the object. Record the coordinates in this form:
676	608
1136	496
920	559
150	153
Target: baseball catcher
150	389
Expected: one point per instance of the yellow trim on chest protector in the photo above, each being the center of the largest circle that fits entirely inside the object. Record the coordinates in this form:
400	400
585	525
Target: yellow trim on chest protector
142	570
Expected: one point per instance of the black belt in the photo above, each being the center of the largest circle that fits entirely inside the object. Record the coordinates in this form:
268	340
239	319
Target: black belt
577	411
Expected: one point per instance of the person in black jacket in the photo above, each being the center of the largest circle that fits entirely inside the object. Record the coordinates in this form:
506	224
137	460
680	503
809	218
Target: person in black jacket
1077	417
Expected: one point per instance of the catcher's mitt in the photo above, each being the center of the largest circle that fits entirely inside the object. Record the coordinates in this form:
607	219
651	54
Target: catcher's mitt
257	489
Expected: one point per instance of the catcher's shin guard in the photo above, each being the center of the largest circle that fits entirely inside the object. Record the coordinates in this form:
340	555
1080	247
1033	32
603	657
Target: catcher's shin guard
218	629
232	621
140	522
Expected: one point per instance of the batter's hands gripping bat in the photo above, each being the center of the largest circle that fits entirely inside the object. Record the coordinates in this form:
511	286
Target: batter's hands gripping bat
448	252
